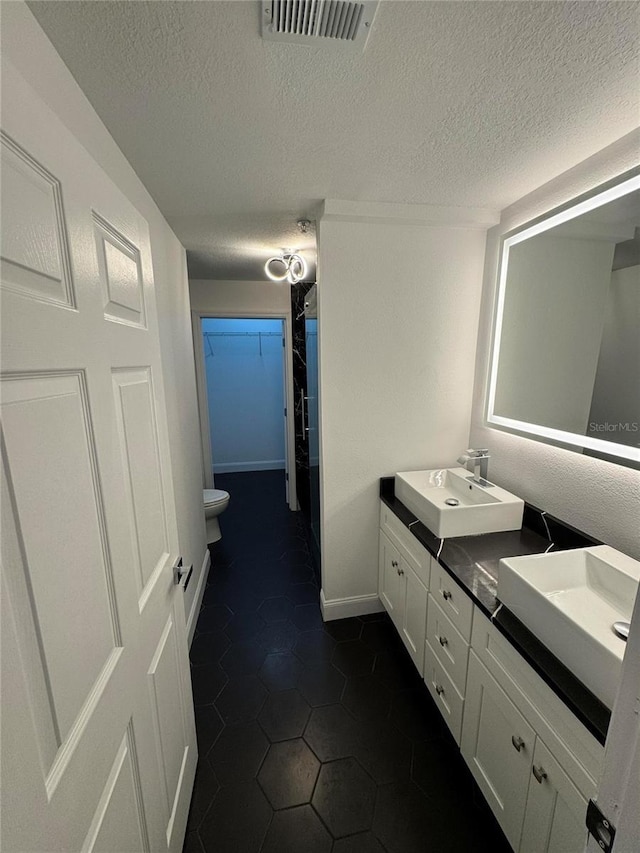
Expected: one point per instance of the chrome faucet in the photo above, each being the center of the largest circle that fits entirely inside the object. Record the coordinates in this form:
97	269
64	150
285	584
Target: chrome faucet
476	461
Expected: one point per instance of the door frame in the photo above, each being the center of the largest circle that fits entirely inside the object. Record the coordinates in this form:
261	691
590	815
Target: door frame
203	404
619	785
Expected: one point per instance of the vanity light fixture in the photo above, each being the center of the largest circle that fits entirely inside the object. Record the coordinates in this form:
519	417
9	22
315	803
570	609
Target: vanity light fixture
290	266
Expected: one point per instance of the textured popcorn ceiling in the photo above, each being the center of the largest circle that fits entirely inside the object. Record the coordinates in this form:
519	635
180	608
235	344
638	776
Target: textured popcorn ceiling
454	103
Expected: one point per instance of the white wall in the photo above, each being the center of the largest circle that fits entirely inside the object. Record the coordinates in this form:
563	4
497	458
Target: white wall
240	298
397	322
599	497
35	58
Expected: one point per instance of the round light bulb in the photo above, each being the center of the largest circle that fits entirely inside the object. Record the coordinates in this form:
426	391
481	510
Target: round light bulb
271	273
293	265
297	268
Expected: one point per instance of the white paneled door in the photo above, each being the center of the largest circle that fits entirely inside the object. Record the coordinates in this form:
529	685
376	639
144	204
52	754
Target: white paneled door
98	737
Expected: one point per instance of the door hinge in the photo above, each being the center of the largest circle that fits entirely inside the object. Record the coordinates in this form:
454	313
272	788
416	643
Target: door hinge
600	827
286	476
285	413
283	343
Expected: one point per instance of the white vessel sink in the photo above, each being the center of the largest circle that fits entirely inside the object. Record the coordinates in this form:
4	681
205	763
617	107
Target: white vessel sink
570	600
478	509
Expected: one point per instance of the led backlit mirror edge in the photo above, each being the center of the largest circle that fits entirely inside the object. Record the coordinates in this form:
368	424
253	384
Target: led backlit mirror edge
603	194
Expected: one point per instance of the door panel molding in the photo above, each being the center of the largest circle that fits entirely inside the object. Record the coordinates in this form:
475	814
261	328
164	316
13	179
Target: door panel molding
138	438
168	716
121	275
120	823
35	261
54	477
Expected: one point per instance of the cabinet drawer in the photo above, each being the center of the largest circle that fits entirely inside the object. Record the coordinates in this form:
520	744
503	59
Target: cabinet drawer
453	601
413	552
391	524
448	644
444	692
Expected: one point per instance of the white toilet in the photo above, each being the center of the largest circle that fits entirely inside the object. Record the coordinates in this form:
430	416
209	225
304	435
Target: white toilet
215	502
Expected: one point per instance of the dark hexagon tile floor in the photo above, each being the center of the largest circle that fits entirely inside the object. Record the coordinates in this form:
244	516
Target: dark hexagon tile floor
284	715
288	774
293	830
207	682
237	820
238	753
363	842
280	671
344	797
321	684
241	699
332	733
313	737
243	658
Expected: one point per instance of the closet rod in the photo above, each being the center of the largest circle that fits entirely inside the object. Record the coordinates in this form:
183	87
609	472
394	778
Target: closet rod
242	334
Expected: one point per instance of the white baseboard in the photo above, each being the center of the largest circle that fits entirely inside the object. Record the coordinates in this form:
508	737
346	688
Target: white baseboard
196	604
258	465
343	608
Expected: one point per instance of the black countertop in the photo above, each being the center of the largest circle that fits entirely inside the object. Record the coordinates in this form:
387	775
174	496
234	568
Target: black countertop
472	561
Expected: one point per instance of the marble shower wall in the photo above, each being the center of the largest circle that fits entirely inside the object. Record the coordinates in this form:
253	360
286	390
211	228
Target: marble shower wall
298	294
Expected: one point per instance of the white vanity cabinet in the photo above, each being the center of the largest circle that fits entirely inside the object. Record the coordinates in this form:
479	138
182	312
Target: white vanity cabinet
403	583
535	763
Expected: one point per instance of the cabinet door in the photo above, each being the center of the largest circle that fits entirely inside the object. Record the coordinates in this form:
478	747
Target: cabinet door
390	582
415	615
497	744
555	813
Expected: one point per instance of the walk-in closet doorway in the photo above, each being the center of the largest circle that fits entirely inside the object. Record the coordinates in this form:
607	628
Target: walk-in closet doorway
243	372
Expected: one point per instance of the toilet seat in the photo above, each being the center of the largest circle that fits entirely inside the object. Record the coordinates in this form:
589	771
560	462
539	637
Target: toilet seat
214	496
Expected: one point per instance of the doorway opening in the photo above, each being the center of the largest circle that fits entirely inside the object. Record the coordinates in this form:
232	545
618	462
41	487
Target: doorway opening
244	389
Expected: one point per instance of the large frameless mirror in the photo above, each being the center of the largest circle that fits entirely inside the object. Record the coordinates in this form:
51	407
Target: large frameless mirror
565	364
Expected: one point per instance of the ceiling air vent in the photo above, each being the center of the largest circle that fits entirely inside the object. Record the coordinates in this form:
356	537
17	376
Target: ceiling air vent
316	21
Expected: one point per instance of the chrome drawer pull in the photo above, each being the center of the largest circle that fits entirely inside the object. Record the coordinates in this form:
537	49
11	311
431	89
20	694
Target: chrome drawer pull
443	641
517	742
439	689
540	773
